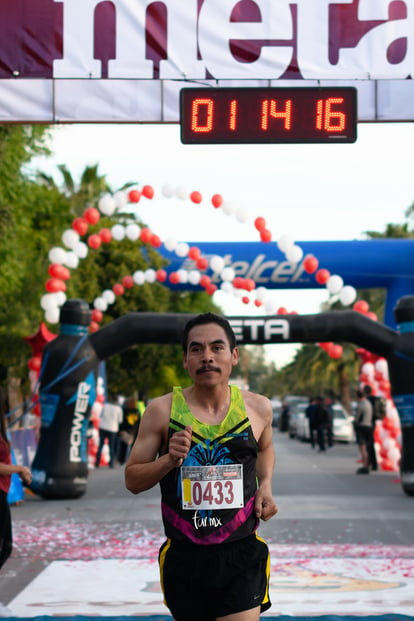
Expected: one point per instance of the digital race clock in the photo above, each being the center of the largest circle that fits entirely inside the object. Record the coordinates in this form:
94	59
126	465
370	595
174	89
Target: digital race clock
268	115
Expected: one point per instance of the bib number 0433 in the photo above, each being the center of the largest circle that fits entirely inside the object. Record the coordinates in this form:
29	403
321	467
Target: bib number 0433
212	487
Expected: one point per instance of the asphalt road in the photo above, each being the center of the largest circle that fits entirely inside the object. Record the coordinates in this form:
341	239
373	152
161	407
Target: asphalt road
320	497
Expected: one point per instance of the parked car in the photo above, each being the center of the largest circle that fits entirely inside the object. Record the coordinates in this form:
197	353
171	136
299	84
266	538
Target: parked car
343	426
276	409
296	417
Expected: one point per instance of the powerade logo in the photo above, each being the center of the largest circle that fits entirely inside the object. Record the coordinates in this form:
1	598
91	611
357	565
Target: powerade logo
79	421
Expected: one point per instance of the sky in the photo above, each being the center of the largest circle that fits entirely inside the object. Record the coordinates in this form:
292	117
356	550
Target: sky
307	192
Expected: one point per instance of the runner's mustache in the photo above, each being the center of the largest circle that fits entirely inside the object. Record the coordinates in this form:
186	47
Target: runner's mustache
208	368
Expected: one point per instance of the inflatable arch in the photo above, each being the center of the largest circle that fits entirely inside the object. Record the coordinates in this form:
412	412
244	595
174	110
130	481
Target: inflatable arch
70	367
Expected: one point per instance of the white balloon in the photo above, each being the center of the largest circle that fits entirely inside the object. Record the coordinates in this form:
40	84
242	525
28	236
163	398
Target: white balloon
72	260
52	314
170	244
81	250
70	238
109	296
294	254
242	215
57	255
368	369
334	284
133	231
107	205
269	306
138	277
118	232
381	366
284	243
194	277
48	300
228	208
182	193
168	190
183	276
100	304
348	295
226	286
217	264
182	249
239	293
261	293
60	297
120	199
150	275
228	274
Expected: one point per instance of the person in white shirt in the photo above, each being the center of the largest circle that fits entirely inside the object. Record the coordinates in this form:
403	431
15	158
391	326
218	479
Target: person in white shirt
110	419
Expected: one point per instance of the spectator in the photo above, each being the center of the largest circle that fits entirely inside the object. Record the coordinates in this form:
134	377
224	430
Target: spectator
110	420
321	415
364	417
372	455
310	415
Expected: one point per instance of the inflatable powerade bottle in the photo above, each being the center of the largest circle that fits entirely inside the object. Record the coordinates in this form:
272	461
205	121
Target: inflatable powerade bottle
67	393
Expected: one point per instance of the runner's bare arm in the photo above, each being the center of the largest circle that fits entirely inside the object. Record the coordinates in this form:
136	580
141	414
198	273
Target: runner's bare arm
265	506
150	459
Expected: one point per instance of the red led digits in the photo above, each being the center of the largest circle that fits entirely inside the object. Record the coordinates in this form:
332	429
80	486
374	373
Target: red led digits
250	115
272	111
203	109
328	119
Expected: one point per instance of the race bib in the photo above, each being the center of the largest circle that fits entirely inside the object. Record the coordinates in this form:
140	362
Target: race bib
212	487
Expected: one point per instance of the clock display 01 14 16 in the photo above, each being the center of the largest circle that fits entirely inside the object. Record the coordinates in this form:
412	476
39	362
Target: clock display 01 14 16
268	115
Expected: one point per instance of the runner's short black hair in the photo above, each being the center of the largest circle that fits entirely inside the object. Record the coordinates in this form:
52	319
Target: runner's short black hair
205	318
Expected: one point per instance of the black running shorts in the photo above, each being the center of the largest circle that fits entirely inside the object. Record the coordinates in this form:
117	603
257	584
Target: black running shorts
204	582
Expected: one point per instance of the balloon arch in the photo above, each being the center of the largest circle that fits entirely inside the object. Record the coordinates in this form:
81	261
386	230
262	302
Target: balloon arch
78	240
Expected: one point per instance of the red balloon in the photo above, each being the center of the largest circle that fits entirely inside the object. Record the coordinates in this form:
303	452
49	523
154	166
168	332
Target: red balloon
93	326
245	299
265	235
56	270
372	316
322	276
174	278
128	282
145	235
217	200
161	275
282	310
211	288
118	289
94	241
335	351
249	284
238	282
326	346
96	315
148	191
134	196
105	235
80	225
155	241
202	263
310	264
258	303
35	363
91	215
196	197
260	224
55	284
361	306
194	253
205	281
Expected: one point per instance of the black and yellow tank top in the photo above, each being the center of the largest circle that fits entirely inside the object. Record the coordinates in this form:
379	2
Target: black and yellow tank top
210	498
